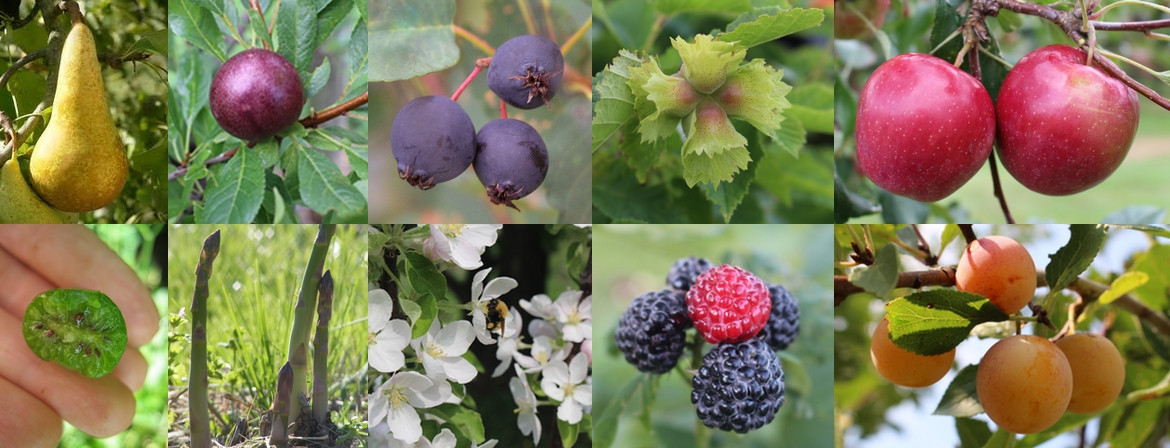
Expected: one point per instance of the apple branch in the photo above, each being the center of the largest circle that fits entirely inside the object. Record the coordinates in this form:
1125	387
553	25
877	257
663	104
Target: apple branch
1089	291
1074	26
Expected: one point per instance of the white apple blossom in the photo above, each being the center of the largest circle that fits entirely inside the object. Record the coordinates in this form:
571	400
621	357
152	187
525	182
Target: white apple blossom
576	315
526	419
441	350
540	306
481	296
395	401
488	444
542	354
444	439
563	383
387	337
461	244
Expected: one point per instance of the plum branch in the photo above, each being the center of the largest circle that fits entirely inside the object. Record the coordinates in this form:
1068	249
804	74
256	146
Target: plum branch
1079	30
1089	291
311	121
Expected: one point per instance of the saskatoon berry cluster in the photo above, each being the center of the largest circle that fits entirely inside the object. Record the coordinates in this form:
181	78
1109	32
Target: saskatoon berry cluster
740	385
1025	383
434	140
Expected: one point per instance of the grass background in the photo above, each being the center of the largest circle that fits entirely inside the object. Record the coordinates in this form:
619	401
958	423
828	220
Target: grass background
135	245
634	259
253	290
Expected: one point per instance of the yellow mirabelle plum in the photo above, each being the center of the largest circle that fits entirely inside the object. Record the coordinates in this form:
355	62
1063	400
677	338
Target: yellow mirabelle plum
1024	384
1097	368
999	268
903	367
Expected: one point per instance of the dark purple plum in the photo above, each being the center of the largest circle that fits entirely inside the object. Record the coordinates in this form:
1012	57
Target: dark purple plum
510	160
433	141
256	94
526	71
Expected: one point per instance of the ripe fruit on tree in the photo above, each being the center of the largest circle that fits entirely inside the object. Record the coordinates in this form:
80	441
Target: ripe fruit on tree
256	94
526	71
433	141
924	127
847	23
510	160
1063	126
902	367
79	163
1024	384
1098	371
999	268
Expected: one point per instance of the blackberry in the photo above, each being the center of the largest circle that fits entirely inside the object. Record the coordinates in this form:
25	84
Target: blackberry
684	272
739	387
652	331
784	322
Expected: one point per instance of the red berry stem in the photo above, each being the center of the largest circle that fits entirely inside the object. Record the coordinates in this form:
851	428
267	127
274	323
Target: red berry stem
503	110
474	72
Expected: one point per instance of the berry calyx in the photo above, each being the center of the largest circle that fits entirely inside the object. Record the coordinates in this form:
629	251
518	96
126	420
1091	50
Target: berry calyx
511	160
526	71
433	141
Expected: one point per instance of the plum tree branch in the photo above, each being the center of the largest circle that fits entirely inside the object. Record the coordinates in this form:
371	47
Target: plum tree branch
311	121
1131	26
1089	291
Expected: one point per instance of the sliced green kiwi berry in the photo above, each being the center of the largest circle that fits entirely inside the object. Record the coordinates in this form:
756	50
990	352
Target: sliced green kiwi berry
79	329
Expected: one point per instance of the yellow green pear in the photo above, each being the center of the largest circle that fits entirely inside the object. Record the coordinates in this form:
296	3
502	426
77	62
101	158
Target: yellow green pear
18	203
79	164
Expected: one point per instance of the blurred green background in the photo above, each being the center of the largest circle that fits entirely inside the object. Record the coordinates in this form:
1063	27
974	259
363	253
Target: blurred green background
253	292
1132	194
141	247
631	260
565	196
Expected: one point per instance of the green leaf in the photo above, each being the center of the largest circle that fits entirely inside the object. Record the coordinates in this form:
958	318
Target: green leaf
306	35
1150	229
972	433
722	6
847	204
331	13
1122	285
424	276
428	309
880	277
644	157
1001	439
946	21
569	432
771	27
235	192
286	32
319	78
197	25
359	57
258	27
728	195
607	425
960	399
1153	263
1071	260
617	193
812	104
411	38
935	322
323	140
615	101
323	187
950	232
721	167
359	159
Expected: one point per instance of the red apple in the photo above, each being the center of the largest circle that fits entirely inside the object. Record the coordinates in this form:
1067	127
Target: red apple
847	23
1063	126
924	127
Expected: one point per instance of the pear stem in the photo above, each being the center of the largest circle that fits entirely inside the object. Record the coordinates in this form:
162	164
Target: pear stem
74	11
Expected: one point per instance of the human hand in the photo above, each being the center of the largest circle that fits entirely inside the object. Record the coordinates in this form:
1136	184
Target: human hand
35	395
